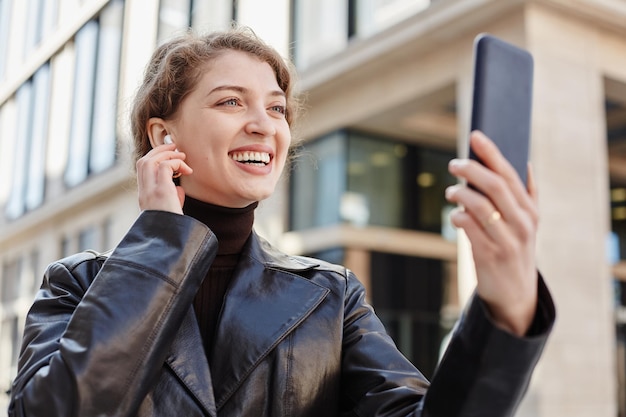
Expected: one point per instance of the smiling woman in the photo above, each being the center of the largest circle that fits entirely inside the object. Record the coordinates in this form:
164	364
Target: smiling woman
194	314
233	129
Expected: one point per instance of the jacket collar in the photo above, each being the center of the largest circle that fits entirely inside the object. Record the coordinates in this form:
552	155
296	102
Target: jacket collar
260	250
265	302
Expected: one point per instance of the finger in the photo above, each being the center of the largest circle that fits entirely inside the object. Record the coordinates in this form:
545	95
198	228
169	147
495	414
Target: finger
168	168
154	177
507	195
495	192
493	159
155	157
483	212
481	242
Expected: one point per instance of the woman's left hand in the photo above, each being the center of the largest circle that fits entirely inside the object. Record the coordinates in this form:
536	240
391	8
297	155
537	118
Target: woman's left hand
501	225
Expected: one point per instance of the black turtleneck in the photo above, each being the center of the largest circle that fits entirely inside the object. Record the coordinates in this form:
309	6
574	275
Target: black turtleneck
232	227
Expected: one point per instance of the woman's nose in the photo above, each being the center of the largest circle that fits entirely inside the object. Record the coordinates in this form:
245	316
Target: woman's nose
260	123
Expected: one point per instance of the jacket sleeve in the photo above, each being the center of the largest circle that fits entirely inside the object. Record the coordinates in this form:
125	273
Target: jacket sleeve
97	334
485	370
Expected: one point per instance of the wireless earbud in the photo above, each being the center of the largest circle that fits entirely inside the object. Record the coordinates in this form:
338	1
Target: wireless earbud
168	140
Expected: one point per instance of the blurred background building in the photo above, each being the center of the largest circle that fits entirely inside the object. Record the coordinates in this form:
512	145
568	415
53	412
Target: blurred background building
388	85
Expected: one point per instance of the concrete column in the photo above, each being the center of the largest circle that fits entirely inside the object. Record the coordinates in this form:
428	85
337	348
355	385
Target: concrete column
576	376
359	262
464	88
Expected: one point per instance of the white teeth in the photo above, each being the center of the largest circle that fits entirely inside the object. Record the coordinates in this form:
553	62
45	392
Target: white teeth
251	157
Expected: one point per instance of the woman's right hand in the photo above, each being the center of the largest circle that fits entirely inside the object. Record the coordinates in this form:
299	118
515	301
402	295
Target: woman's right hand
156	189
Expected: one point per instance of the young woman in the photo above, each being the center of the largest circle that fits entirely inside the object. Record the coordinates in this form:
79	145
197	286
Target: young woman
193	314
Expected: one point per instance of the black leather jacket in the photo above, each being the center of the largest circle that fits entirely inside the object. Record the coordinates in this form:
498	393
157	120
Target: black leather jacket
115	335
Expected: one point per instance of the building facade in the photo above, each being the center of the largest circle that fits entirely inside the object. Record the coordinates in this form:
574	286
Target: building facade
388	94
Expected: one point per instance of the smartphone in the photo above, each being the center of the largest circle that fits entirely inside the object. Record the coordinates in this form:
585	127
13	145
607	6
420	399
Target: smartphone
502	98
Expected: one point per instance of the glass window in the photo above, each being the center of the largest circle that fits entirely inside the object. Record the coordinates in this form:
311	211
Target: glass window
49	16
430	178
24	97
96	237
618	220
10	340
375	175
407	293
10	280
85	44
36	177
320	29
375	15
318	182
27	188
216	14
66	248
363	179
88	239
615	113
103	143
270	20
174	17
5	24
92	144
34	274
107	234
33	26
41	19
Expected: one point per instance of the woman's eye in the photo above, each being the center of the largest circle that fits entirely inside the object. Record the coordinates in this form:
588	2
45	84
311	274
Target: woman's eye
279	109
229	102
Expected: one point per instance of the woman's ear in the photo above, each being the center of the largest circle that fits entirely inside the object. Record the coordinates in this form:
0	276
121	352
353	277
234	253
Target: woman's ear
156	130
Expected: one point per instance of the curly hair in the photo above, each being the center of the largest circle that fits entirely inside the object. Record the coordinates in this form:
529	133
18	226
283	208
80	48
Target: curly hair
177	65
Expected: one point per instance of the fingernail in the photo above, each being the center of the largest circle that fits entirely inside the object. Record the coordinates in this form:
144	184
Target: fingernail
451	190
457	162
478	135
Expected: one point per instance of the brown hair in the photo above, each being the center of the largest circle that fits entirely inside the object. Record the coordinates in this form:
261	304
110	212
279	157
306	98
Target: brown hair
177	65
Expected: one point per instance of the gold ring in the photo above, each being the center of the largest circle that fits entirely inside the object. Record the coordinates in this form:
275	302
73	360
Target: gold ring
176	174
493	218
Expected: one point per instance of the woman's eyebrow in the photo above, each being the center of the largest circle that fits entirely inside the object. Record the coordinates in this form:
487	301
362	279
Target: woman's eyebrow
242	90
236	88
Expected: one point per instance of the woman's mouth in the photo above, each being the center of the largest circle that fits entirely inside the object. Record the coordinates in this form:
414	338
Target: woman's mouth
251	158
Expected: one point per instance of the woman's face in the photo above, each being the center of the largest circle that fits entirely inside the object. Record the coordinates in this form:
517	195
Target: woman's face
233	130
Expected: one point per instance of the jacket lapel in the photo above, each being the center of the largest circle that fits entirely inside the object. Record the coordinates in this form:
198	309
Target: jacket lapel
265	302
188	361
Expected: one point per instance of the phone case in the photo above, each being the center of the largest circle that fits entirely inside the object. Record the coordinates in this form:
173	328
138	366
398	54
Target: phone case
502	99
